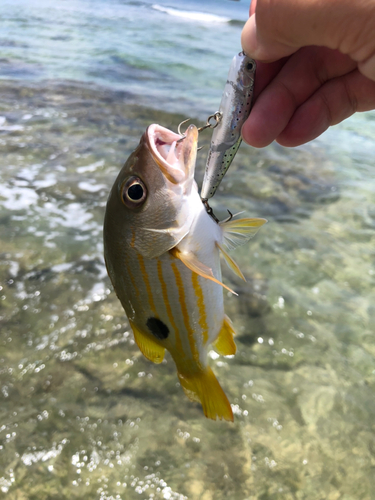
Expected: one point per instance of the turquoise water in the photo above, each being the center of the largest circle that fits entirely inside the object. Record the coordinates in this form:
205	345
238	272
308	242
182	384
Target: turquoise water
168	61
82	413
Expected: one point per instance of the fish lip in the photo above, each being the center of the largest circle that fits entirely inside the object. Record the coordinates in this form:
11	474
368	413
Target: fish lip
178	172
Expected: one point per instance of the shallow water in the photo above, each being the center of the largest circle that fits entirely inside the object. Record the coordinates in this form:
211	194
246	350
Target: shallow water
83	414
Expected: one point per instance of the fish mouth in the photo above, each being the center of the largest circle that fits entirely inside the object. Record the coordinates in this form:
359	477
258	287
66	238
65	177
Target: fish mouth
174	154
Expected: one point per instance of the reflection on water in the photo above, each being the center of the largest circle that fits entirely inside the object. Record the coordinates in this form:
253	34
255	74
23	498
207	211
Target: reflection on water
84	415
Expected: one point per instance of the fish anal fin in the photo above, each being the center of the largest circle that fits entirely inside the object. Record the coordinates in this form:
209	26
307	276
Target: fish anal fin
231	263
148	347
224	344
192	262
204	387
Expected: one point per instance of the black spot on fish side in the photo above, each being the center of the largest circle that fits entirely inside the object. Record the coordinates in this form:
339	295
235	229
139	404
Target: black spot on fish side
157	328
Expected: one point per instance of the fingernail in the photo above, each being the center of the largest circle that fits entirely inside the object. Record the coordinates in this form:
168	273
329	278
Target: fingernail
249	40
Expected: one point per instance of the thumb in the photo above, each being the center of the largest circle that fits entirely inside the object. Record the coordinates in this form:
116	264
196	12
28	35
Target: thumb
253	46
279	28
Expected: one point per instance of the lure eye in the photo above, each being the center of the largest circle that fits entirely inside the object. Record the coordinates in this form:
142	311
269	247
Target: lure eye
133	192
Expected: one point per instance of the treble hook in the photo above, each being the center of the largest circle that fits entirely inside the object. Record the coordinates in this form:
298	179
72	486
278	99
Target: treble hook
228	218
210	211
179	130
183	136
216	117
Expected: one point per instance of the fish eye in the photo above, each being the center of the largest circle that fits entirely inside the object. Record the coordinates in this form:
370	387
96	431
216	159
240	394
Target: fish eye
133	192
249	66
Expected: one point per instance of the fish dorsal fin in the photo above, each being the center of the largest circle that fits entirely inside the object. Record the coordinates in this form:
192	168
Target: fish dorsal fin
147	345
231	263
237	232
224	344
193	263
205	388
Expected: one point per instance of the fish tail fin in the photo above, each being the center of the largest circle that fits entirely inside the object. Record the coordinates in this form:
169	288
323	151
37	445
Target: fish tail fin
205	388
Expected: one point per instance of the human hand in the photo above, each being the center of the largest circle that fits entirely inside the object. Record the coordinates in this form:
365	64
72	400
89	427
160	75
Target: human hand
315	67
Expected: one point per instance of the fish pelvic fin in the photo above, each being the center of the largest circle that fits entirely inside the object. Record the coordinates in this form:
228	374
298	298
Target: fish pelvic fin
192	262
224	344
204	387
237	232
231	263
147	345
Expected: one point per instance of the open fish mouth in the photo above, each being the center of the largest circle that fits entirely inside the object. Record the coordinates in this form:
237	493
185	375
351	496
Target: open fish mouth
175	157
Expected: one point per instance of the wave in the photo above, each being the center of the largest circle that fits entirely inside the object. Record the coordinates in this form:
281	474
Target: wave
192	15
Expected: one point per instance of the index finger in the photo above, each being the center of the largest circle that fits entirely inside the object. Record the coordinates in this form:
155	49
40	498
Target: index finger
298	79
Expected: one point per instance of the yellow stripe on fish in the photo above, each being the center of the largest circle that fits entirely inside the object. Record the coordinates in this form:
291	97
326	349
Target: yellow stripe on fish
172	321
185	312
201	307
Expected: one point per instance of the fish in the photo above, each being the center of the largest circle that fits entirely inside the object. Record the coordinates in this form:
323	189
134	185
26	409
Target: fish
235	107
162	253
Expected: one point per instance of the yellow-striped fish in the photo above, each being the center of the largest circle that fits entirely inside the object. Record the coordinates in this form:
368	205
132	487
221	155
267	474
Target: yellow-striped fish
162	255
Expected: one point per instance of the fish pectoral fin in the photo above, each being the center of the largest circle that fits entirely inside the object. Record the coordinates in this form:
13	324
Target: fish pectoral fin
148	347
230	262
191	261
224	344
237	232
205	388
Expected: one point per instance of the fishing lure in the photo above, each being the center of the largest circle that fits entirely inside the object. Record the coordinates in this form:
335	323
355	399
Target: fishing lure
234	109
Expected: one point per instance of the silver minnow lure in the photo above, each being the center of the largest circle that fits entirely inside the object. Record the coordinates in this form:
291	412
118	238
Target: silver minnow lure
234	108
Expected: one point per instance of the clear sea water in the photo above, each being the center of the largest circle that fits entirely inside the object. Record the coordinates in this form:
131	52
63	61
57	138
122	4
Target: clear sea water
82	413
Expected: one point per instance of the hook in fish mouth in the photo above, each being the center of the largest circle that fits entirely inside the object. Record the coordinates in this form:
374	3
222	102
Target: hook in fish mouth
183	136
212	122
174	157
